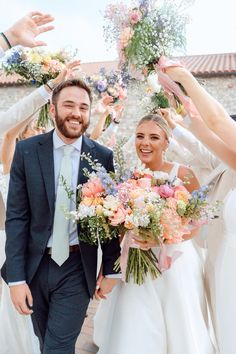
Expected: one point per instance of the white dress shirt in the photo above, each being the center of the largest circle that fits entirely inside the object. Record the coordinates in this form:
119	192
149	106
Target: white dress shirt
75	156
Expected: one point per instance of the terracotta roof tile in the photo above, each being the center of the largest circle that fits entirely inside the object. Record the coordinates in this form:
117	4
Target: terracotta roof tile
199	65
211	64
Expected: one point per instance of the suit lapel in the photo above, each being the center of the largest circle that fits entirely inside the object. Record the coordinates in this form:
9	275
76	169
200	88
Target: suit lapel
45	154
88	147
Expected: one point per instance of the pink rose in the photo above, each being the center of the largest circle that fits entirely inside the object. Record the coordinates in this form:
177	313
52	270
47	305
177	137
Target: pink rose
165	191
118	216
122	93
135	16
92	188
144	182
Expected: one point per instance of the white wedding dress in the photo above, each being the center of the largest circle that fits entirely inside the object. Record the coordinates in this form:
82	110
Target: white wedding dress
163	316
16	331
226	279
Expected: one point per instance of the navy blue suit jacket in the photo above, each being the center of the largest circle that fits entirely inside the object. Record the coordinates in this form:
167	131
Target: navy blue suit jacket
30	210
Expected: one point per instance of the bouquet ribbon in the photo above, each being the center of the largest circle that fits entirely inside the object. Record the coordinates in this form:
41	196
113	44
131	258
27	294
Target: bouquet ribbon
165	261
172	87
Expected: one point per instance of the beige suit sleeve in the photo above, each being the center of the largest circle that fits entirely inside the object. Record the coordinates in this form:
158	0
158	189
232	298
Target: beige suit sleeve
191	143
21	110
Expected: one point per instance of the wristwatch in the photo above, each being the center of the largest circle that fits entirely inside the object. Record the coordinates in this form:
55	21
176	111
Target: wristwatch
51	84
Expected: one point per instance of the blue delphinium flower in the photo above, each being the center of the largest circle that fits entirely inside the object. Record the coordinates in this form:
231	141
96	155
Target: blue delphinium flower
107	182
15	58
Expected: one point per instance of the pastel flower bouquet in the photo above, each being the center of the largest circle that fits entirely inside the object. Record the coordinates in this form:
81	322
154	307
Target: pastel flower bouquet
113	84
161	211
145	32
36	67
142	205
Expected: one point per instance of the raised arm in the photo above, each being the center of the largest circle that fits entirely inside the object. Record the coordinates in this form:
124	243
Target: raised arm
28	105
26	30
192	143
211	111
9	143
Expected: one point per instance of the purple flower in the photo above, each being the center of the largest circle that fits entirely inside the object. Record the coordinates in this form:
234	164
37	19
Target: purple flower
101	86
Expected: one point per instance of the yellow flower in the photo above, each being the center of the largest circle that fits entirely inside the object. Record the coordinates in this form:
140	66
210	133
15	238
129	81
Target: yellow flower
35	58
99	210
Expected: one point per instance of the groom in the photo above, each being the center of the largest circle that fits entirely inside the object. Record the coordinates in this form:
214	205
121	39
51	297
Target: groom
54	285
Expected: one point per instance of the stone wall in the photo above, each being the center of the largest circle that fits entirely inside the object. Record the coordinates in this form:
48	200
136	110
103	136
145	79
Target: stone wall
223	88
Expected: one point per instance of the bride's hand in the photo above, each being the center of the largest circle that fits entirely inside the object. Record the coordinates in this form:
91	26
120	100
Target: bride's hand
145	245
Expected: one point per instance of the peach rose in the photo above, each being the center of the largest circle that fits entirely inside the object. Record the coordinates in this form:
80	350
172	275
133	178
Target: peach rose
92	188
144	182
118	217
125	37
181	193
89	201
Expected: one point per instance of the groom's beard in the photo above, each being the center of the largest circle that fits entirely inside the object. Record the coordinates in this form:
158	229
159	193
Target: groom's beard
61	124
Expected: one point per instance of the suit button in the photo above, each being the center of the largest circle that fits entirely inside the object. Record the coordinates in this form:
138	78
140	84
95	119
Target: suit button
50	228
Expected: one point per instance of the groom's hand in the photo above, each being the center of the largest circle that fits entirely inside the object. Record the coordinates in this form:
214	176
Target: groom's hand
22	298
106	286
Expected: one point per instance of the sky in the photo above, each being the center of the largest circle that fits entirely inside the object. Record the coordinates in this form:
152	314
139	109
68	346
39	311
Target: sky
79	24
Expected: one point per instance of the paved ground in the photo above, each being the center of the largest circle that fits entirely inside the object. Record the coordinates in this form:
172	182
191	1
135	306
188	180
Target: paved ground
84	343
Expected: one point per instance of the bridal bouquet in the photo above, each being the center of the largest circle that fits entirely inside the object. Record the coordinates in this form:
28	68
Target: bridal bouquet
37	68
160	211
138	204
145	32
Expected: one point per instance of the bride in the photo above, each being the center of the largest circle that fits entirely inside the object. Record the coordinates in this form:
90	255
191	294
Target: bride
16	331
167	315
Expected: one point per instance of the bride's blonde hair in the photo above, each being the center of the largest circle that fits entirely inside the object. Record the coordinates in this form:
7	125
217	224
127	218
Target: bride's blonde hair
156	118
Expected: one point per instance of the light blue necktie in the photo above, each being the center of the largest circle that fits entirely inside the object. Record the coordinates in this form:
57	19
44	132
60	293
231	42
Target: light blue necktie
60	236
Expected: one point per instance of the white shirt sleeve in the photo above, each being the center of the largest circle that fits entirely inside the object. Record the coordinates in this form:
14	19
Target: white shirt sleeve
17	283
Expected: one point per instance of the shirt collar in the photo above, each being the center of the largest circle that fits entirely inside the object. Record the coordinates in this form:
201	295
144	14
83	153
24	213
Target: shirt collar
58	143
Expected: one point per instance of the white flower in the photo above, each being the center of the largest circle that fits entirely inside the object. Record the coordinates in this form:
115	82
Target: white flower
85	211
161	175
111	203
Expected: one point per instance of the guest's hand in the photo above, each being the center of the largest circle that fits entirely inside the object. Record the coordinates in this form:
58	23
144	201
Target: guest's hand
171	117
22	298
66	73
103	105
25	30
106	286
178	74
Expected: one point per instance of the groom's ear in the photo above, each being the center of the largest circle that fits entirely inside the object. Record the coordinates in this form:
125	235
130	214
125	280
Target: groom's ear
52	110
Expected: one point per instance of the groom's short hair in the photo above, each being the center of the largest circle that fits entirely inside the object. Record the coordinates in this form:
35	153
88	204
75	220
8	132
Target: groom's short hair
71	83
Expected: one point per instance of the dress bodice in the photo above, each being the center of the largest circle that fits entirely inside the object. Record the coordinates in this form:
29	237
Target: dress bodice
229	217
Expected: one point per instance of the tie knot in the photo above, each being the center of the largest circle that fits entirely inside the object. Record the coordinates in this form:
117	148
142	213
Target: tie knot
67	150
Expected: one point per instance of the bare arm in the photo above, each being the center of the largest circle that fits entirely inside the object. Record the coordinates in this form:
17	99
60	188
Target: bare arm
9	143
211	111
26	29
213	142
